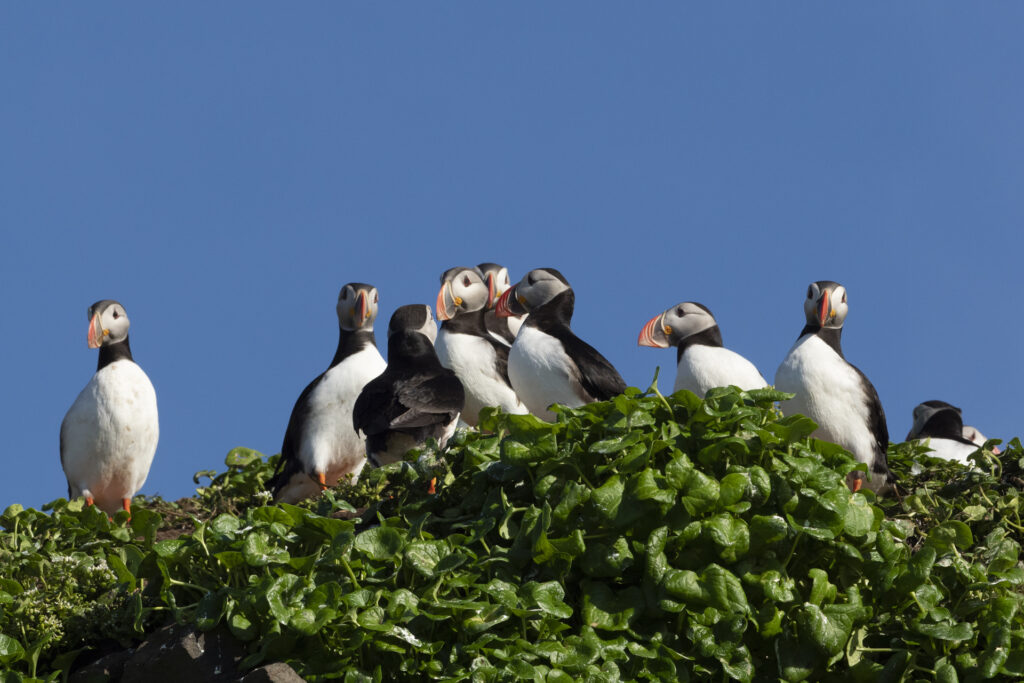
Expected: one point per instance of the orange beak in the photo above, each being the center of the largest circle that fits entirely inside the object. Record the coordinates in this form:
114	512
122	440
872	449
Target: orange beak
364	308
95	337
444	311
823	311
652	334
490	289
503	309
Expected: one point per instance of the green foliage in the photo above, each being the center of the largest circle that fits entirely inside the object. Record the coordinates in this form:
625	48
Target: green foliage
639	538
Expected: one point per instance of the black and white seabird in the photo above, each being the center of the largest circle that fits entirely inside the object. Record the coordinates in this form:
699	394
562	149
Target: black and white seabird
833	392
940	427
109	435
702	362
504	329
415	398
464	345
548	363
320	445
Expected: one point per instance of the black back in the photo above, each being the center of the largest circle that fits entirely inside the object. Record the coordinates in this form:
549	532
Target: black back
350	342
599	377
414	395
498	326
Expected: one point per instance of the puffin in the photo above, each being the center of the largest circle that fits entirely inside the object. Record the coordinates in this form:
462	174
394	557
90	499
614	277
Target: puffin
502	329
547	363
940	427
109	435
415	398
465	346
833	392
702	363
320	445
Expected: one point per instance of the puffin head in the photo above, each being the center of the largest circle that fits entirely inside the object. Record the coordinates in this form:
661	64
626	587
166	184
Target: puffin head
108	323
462	290
537	287
413	318
938	417
357	306
496	278
825	305
676	324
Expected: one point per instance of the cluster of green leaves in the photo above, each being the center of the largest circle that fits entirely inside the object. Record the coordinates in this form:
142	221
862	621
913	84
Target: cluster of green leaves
640	538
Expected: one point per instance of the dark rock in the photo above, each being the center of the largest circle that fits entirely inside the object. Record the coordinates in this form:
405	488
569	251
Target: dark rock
106	669
279	672
181	653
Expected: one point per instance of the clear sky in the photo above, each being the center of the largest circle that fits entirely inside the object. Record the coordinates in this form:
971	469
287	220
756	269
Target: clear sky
224	168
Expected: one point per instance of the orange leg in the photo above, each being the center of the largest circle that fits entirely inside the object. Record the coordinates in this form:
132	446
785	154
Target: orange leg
89	500
432	488
323	480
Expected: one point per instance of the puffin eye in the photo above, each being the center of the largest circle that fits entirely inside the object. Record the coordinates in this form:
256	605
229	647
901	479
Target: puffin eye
465	281
680	312
116	316
810	292
376	296
844	297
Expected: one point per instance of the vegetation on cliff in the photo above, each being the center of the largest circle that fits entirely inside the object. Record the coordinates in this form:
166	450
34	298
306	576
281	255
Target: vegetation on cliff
640	538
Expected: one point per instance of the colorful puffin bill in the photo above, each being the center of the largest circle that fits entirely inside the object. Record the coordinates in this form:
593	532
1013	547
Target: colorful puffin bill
548	363
702	363
108	437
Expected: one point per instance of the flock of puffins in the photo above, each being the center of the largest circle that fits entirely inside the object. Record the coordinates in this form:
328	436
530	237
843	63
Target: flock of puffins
498	344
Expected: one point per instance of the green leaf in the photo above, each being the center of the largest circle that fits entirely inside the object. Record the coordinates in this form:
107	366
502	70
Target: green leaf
10	649
380	543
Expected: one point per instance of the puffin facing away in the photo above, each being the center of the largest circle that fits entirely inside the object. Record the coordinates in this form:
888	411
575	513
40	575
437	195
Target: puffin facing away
109	435
940	426
702	362
833	392
548	363
415	398
320	446
503	329
464	345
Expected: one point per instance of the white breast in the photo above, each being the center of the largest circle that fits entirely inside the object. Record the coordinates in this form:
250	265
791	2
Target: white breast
542	373
109	435
829	391
474	362
948	449
704	367
330	443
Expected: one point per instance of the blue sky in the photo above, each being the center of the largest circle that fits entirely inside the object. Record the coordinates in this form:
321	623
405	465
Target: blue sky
223	170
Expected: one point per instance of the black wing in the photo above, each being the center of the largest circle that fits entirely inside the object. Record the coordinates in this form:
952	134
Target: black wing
877	424
429	399
376	405
598	377
289	464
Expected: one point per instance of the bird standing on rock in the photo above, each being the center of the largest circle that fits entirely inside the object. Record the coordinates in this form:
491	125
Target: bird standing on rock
702	362
109	435
320	445
415	398
548	363
833	392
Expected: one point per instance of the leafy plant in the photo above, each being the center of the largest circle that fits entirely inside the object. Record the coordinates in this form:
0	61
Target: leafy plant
640	538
